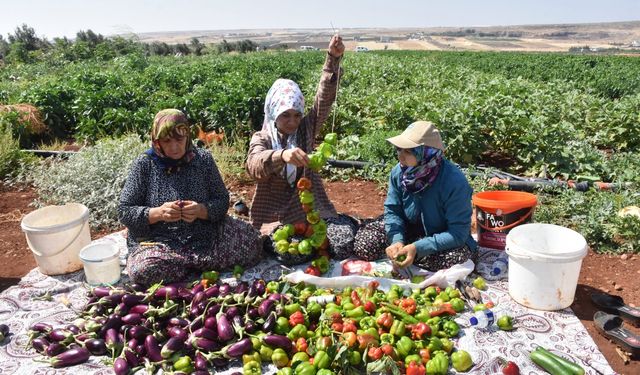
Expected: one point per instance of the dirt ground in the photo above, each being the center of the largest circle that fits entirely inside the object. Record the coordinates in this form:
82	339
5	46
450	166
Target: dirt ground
618	274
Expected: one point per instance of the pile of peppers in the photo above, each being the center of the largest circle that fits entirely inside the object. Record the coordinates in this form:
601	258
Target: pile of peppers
202	327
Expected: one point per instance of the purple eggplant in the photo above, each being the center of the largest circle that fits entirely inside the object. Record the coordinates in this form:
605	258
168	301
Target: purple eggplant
178	322
54	349
122	309
198	287
220	363
212	291
153	349
195	310
70	357
260	287
101	291
73	328
132	357
196	323
42	327
225	289
132	318
269	323
136	288
242	287
132	299
250	326
201	372
96	346
132	344
173	345
225	330
178	332
204	344
210	323
185	294
213	310
198	297
237	321
111	300
276	297
233	311
236	350
266	307
139	309
114	341
113	321
167	292
120	366
206	333
201	362
253	313
61	335
124	328
86	336
40	344
138	333
278	341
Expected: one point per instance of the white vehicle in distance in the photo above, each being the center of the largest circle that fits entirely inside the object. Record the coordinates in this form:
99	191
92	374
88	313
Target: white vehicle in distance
361	49
309	48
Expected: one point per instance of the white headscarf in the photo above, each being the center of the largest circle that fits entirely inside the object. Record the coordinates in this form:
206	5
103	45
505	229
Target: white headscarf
283	95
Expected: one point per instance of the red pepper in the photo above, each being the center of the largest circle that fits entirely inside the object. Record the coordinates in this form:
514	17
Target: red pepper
420	330
296	318
385	320
338	327
349	326
444	309
355	298
336	318
425	355
387	349
313	271
301	345
370	307
408	305
374	353
415	369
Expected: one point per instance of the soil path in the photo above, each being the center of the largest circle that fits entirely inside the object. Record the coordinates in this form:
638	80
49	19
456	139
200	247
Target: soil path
618	274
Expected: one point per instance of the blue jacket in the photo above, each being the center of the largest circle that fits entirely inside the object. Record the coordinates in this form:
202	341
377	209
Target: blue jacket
445	209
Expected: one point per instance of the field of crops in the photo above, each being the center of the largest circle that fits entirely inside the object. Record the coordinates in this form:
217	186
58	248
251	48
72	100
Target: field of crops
548	115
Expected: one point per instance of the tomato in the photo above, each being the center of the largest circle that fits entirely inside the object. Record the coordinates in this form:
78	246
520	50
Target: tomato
300	228
304	184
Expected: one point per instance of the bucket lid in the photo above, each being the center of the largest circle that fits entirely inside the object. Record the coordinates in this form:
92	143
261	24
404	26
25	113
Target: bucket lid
547	243
505	200
99	252
49	219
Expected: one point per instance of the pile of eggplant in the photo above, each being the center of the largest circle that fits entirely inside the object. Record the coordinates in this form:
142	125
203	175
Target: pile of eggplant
174	327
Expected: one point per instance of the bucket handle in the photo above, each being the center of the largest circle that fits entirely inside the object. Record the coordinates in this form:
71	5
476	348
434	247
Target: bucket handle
66	246
519	221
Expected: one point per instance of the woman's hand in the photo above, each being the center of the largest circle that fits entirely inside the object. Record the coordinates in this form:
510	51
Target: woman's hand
193	210
336	48
169	212
410	252
393	250
296	157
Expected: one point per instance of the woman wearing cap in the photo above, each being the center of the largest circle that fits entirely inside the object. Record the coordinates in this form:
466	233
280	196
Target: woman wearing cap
427	212
278	156
174	205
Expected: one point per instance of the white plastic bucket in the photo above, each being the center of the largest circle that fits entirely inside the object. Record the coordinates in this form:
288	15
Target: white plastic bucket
544	265
101	263
55	235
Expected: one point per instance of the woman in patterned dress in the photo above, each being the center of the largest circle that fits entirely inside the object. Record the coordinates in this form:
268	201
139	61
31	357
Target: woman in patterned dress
427	213
278	157
174	205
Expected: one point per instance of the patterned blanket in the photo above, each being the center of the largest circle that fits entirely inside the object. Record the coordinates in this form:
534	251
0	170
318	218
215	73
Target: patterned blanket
559	331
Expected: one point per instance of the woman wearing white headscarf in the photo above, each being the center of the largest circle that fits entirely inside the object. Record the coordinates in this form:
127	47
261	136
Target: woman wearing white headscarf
278	154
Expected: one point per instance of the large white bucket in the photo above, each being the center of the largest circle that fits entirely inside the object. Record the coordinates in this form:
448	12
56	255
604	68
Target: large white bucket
55	235
544	265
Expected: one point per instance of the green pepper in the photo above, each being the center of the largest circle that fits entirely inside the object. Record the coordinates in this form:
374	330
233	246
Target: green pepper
412	358
347	304
253	356
300	357
314	310
279	358
452	292
252	368
479	307
305	368
404	346
438	365
505	323
434	344
372	332
322	263
480	283
324	371
285	371
265	353
447	345
355	358
305	248
387	338
282	326
321	360
291	308
331	138
256	343
237	271
444	297
434	321
457	304
451	328
397	328
273	287
358	312
184	365
461	361
368	322
431	292
423	315
300	330
212	276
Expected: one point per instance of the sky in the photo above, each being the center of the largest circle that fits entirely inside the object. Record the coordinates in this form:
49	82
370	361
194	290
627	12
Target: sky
57	18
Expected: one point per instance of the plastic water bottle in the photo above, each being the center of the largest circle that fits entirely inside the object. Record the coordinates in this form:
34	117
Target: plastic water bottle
482	319
499	267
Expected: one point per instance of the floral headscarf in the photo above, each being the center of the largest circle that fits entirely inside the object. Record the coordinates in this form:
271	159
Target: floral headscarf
415	179
170	123
283	95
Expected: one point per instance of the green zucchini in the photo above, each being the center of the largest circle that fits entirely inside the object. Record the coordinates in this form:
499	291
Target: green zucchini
571	366
548	363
